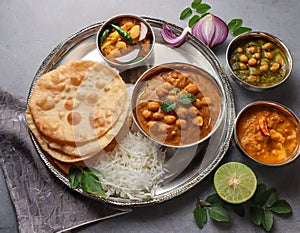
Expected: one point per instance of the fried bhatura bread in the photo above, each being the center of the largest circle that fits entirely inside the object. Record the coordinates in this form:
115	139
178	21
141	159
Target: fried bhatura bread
77	102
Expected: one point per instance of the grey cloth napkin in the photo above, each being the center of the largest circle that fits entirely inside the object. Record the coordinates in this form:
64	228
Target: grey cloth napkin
41	201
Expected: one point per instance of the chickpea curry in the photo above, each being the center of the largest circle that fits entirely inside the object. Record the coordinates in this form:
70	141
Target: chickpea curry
178	106
259	62
125	41
268	134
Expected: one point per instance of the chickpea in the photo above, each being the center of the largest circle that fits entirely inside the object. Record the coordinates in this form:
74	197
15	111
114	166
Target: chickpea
181	112
252	49
193	111
243	66
171	97
198	121
192	88
252	62
206	101
239	50
254	71
160	91
170	119
153	106
257	55
252	78
147	114
158	116
279	59
267	46
167	85
243	58
197	103
181	123
173	133
275	67
269	55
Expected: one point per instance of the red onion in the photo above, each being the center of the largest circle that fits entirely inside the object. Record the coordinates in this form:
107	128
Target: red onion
171	38
211	30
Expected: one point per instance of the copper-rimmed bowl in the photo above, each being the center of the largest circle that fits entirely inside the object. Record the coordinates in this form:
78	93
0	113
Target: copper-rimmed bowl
169	82
268	133
258	61
115	47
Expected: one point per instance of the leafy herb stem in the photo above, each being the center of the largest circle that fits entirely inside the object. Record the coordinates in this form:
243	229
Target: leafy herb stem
261	208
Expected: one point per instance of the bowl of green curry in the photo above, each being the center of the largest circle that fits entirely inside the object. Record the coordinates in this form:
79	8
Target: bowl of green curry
258	61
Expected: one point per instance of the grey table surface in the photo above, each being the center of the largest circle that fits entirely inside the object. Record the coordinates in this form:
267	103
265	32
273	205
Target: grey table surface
29	30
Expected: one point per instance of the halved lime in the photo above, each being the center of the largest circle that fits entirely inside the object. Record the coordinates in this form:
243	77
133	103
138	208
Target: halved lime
235	182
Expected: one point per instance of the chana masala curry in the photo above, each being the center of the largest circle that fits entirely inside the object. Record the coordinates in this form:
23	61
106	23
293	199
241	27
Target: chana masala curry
126	40
178	106
259	62
268	134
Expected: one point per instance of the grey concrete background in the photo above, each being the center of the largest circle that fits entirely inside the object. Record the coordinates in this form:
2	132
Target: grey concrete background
29	30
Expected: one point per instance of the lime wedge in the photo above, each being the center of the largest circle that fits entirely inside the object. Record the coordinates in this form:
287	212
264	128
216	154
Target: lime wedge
235	182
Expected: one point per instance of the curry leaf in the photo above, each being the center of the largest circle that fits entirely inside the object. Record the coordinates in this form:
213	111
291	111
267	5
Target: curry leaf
168	106
75	175
186	13
241	30
214	199
218	213
196	3
267	220
194	20
281	207
203	8
200	216
234	24
271	195
259	195
256	215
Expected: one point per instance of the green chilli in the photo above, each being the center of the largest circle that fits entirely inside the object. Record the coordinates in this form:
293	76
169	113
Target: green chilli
105	34
123	33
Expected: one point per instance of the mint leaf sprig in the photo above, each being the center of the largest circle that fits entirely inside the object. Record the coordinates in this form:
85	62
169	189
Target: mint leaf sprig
262	207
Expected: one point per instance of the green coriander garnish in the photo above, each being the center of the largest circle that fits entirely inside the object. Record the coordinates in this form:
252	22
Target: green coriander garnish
187	98
168	106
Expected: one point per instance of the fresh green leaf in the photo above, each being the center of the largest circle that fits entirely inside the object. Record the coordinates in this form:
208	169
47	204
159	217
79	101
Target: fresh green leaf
176	90
203	8
91	183
194	20
214	199
271	195
218	213
234	24
196	3
186	13
267	220
187	98
256	215
260	194
200	216
281	207
168	106
75	175
241	30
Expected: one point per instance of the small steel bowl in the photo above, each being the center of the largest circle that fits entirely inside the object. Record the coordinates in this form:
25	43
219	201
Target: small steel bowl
202	77
256	123
135	57
244	38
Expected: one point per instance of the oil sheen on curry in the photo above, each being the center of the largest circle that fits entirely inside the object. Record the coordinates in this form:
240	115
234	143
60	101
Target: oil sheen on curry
268	135
178	106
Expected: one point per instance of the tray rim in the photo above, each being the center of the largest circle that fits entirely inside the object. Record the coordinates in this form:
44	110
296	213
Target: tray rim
61	49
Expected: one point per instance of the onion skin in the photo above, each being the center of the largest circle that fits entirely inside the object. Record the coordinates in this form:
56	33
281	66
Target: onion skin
211	30
172	39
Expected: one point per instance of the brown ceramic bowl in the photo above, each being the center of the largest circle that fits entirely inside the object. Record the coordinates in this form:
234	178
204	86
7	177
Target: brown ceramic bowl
168	82
268	133
258	61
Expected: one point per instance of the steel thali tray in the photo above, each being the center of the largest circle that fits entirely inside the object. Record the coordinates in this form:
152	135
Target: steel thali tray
82	45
